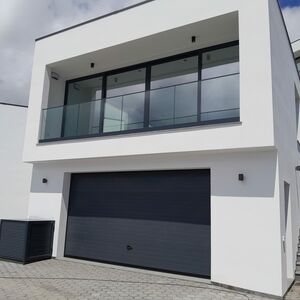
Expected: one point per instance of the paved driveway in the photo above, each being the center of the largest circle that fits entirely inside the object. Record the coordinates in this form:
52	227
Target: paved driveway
69	279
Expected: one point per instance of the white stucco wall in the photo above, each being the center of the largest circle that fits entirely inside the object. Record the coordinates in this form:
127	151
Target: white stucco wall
15	176
144	40
285	82
245	228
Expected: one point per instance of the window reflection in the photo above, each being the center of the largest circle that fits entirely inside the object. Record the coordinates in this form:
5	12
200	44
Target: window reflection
173	98
220	62
124	107
298	64
126	83
83	91
220	84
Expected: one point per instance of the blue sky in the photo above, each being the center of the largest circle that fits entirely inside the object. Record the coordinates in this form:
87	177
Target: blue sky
290	3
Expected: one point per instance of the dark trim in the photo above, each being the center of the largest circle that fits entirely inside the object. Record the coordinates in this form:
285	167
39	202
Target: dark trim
147	65
147	98
288	37
295	41
199	86
64	111
139	267
12	104
95	19
102	105
156	61
143	130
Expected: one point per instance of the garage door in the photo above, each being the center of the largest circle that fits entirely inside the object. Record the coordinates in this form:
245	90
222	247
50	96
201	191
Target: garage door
157	220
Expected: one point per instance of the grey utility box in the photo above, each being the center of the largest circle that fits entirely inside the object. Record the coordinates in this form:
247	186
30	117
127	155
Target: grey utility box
26	241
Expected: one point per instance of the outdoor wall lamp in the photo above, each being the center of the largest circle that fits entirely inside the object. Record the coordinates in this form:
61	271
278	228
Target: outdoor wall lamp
297	168
45	180
54	76
241	177
193	39
92	65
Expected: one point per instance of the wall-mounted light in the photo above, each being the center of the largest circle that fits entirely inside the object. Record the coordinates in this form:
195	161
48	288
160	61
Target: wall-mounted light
297	168
241	177
92	65
193	39
54	76
45	180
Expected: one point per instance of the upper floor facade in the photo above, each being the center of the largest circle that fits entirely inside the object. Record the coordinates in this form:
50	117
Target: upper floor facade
160	77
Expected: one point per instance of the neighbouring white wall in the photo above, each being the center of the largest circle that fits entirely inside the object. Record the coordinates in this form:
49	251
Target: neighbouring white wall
15	176
245	219
285	81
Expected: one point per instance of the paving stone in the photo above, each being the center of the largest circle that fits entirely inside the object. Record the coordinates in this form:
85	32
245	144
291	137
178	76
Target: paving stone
62	280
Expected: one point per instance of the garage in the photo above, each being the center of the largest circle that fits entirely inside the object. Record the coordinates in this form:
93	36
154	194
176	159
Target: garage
156	220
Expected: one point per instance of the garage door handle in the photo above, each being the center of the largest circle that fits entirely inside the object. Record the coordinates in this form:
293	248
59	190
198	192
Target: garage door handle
129	248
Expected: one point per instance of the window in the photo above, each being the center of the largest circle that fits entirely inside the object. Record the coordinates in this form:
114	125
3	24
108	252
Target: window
297	107
125	98
82	112
298	64
220	84
195	88
173	96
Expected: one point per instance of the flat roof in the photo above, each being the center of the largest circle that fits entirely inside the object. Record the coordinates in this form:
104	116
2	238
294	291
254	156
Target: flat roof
95	19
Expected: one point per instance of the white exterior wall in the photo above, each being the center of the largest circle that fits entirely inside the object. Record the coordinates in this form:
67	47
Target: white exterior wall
285	81
247	217
245	230
66	49
15	176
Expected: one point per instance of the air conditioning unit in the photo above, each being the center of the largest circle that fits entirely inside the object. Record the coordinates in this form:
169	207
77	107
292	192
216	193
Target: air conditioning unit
26	241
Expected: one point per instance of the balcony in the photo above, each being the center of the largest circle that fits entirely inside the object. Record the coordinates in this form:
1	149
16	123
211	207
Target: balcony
192	89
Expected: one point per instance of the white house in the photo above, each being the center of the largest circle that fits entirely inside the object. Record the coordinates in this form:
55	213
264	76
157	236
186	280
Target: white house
15	176
165	136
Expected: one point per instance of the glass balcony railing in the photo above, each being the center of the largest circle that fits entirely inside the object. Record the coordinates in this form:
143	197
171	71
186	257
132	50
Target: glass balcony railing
161	108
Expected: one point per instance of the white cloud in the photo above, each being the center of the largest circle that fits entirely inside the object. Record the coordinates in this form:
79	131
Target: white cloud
292	19
21	22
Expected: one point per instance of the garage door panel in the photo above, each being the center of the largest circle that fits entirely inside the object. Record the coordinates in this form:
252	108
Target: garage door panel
160	244
164	216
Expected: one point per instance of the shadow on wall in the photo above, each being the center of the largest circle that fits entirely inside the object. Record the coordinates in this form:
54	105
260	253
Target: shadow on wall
258	167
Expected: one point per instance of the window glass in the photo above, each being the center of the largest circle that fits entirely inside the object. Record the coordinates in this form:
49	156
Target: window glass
298	64
220	62
124	106
84	91
173	95
220	98
174	105
126	83
220	87
175	72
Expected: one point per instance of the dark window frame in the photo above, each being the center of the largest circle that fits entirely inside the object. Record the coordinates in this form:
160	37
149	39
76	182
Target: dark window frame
146	65
298	64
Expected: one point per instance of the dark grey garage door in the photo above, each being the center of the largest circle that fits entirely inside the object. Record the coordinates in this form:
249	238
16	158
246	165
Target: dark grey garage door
157	220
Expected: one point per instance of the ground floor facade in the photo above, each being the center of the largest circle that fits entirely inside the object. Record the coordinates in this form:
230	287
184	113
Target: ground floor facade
232	217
